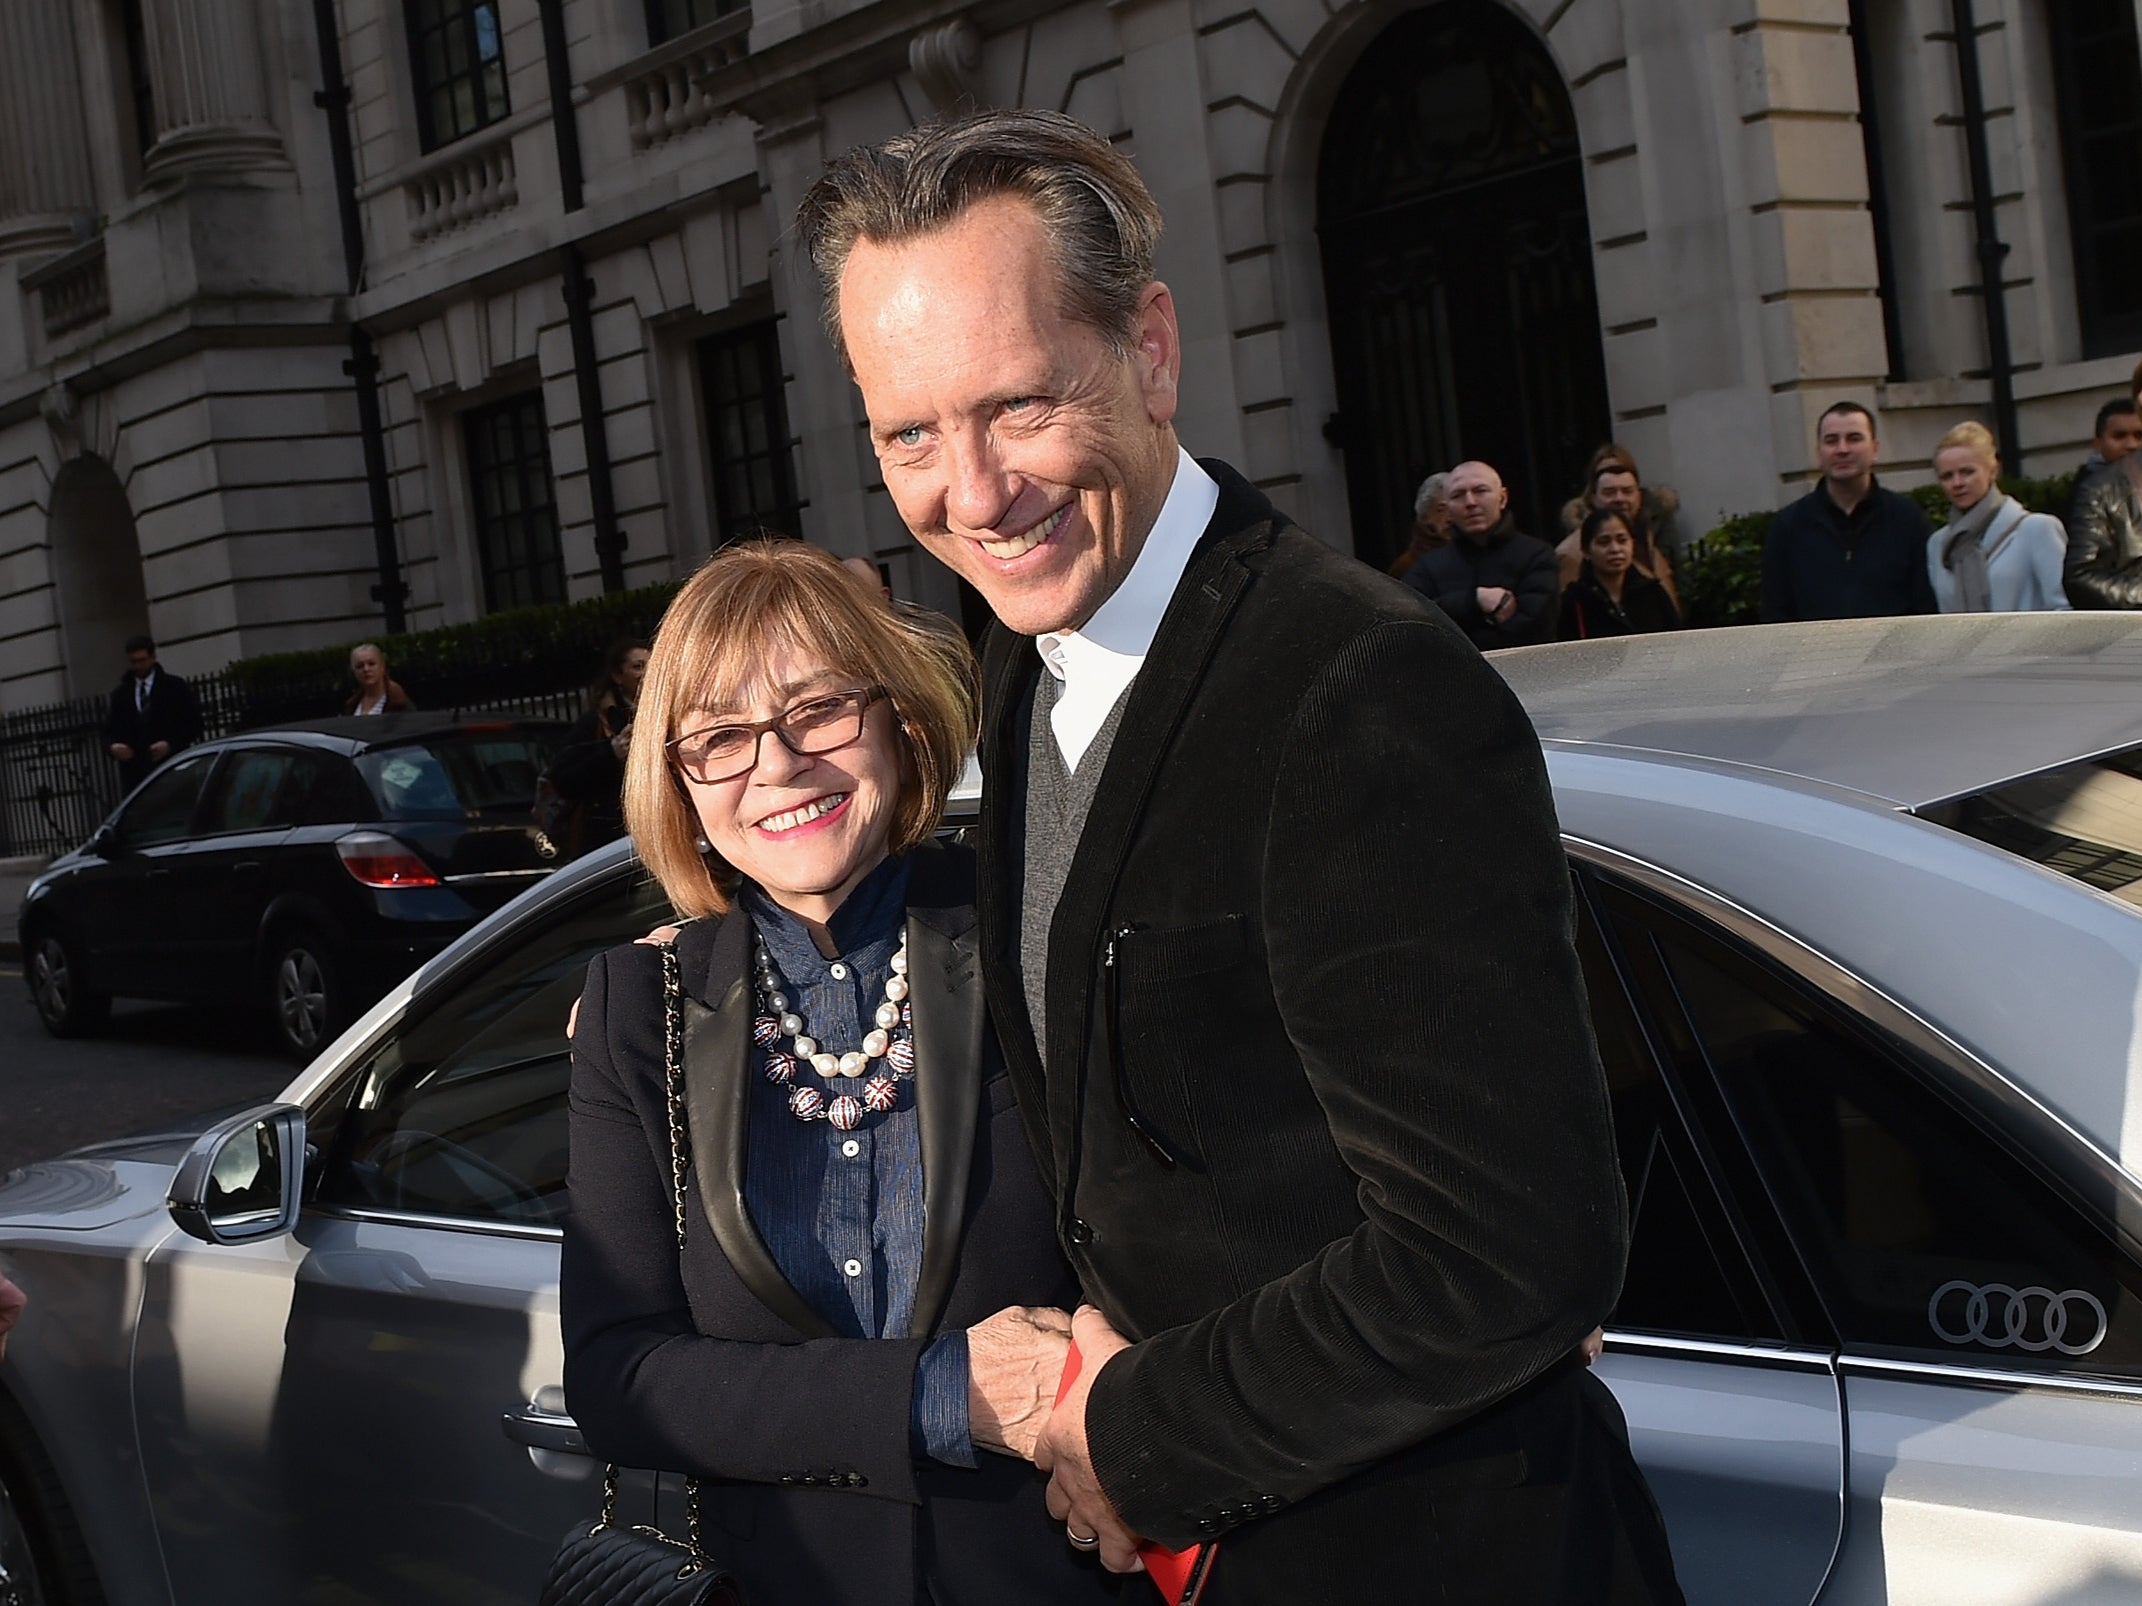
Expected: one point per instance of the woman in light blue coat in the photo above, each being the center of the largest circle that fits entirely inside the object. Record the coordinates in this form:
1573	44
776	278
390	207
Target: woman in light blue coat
1994	555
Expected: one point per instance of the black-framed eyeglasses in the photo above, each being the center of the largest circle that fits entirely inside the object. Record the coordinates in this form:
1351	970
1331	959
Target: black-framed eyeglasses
820	724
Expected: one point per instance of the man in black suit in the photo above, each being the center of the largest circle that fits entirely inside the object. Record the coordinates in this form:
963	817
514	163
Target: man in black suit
1275	927
153	714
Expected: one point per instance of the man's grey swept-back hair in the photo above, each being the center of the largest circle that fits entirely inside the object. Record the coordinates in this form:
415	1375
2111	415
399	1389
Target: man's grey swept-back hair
1100	218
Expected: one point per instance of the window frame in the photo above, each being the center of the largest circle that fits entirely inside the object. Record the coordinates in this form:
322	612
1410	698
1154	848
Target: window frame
213	792
210	761
673	19
512	543
2080	1174
761	337
2104	333
455	16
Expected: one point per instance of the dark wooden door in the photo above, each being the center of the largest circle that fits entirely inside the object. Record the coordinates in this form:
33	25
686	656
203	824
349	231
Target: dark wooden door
1458	271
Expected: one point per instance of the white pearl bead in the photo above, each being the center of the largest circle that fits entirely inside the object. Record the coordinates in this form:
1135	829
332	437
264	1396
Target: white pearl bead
888	1016
875	1043
791	1024
777	1001
826	1064
806	1047
899	963
852	1063
896	988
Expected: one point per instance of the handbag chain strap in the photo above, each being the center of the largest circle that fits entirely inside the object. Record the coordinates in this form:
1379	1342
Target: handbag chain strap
673	1077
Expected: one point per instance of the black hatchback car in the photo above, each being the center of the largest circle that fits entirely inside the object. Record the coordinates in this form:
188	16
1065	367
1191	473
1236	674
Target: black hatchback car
301	870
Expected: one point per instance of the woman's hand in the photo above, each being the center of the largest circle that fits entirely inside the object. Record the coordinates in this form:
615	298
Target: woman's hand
13	1300
1014	1361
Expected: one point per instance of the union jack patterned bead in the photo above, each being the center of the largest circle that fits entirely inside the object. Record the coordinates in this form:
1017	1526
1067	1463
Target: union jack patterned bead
780	1067
907	1014
845	1112
880	1094
900	1055
806	1103
765	1031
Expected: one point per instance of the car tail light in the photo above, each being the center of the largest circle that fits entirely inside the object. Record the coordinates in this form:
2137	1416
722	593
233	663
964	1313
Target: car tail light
379	860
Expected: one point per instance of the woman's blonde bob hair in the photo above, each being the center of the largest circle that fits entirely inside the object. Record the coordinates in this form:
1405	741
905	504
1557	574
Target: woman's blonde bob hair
1975	436
747	602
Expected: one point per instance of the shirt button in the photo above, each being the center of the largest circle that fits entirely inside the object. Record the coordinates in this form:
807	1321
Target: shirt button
840	972
854	1268
851	1148
1080	1232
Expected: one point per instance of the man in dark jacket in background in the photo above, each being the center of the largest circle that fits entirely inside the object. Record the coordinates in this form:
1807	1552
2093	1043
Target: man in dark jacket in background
153	714
2104	567
1849	549
1499	586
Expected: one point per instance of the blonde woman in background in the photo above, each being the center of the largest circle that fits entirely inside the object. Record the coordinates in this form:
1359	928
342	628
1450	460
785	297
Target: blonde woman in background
1994	555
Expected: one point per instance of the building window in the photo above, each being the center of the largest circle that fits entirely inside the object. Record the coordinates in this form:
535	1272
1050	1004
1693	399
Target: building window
747	434
2097	67
459	67
516	511
668	18
140	98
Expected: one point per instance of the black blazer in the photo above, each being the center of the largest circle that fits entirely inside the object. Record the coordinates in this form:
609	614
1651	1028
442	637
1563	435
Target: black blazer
172	715
1321	911
721	1369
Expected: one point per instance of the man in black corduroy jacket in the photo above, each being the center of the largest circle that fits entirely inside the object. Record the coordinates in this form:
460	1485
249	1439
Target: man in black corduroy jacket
1275	928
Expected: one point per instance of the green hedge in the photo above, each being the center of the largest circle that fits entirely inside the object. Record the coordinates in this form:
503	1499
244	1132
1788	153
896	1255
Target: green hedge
533	650
1720	577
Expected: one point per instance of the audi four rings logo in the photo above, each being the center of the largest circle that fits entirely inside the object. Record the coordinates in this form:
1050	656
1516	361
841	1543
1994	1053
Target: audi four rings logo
2031	1319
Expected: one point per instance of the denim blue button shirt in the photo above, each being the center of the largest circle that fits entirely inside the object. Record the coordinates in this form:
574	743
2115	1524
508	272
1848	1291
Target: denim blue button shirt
841	1212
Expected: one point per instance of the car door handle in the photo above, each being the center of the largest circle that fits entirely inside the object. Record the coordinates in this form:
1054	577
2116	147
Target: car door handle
543	1430
246	864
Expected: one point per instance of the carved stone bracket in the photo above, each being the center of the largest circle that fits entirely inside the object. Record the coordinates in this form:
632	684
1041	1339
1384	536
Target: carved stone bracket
946	60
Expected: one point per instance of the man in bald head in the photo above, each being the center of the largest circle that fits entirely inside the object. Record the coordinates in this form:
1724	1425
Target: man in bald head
1497	584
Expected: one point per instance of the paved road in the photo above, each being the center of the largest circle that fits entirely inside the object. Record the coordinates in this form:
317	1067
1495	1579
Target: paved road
154	1063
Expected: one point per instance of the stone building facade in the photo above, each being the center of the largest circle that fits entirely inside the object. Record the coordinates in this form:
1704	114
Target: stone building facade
1398	232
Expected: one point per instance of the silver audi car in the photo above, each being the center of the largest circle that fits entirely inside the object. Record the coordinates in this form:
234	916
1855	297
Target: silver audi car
1858	908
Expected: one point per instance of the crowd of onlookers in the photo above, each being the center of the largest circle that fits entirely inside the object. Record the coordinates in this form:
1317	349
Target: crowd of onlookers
1850	548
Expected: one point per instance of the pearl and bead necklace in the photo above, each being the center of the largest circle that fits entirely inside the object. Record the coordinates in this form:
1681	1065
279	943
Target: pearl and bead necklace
891	1039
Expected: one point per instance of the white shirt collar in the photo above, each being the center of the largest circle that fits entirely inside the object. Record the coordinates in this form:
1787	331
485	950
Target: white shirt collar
1124	625
1097	661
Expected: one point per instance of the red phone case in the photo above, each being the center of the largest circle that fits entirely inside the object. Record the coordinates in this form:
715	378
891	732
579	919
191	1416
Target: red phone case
1179	1575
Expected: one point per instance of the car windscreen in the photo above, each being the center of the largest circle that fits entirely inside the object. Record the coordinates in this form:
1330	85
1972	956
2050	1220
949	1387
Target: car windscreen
2083	820
457	774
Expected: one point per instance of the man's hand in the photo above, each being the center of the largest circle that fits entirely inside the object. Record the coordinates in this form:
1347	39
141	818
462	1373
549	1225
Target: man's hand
1014	1362
123	753
621	744
1496	603
1593	1345
1075	1496
12	1301
159	751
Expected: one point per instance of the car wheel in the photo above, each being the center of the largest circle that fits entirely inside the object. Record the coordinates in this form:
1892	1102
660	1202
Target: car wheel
307	996
67	1005
44	1560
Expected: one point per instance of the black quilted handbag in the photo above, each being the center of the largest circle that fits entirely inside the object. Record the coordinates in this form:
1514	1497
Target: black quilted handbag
608	1565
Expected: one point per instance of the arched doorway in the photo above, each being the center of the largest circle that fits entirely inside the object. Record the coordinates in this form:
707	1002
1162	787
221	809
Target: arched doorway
1458	270
96	570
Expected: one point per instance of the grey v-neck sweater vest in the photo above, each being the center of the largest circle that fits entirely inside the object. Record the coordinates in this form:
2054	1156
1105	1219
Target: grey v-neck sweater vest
1057	802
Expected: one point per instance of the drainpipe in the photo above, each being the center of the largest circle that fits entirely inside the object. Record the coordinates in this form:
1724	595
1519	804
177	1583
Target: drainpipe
1990	249
579	308
391	592
1870	130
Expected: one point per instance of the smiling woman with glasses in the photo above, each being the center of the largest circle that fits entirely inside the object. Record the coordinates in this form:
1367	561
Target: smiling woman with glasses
846	1333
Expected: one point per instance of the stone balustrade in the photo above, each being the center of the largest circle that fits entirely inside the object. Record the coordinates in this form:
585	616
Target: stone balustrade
667	95
461	186
73	290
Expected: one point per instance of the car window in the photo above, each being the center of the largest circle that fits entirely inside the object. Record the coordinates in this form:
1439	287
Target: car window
163	810
462	1111
251	791
1928	1237
327	791
1686	1273
450	777
2083	820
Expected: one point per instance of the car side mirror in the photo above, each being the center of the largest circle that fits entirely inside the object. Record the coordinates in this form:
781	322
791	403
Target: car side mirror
243	1177
103	842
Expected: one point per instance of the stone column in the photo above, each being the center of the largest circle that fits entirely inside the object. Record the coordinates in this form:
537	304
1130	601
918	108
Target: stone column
45	182
206	77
